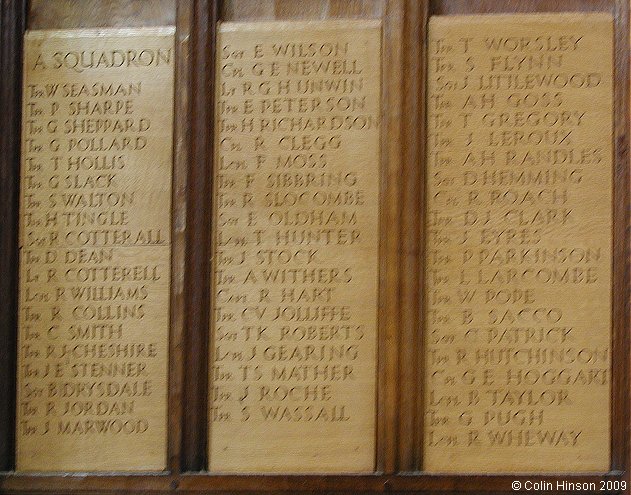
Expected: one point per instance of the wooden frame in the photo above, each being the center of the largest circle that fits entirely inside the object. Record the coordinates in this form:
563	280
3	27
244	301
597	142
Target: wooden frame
400	407
11	29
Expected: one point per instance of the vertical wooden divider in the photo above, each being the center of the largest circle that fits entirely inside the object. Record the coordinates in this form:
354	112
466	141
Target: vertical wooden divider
393	145
200	117
12	27
411	370
621	345
181	159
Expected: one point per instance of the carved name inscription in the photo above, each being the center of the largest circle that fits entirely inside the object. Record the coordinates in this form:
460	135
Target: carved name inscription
95	249
296	191
519	239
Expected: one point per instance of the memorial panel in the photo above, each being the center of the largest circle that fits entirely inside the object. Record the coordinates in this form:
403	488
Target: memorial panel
519	242
295	248
95	249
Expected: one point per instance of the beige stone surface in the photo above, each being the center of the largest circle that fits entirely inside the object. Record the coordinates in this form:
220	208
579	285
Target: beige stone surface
295	264
518	362
95	216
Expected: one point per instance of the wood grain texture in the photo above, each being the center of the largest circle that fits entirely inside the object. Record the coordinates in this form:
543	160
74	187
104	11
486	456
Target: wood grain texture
70	14
245	10
621	343
452	7
290	10
198	484
621	444
410	428
11	30
393	146
181	157
198	232
362	9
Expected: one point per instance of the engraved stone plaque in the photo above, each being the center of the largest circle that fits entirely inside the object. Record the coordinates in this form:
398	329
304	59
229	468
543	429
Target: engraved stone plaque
519	223
295	247
95	249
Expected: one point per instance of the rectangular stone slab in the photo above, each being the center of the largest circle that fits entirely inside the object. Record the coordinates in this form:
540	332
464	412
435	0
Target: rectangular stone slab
295	247
519	240
95	217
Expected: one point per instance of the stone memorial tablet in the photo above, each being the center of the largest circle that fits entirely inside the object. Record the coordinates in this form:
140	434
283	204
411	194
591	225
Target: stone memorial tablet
295	247
519	243
95	249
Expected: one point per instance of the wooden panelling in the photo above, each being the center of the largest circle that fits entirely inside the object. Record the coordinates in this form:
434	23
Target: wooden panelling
198	234
198	484
246	10
71	14
11	30
410	418
181	157
452	7
621	290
